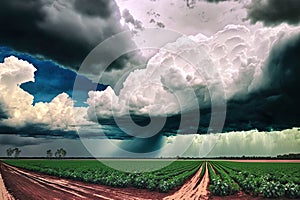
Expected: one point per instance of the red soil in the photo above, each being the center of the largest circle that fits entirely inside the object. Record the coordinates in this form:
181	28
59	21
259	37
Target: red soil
4	194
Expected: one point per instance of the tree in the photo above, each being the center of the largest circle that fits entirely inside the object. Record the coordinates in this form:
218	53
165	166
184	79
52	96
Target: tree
17	152
49	153
9	152
13	152
63	152
57	153
60	153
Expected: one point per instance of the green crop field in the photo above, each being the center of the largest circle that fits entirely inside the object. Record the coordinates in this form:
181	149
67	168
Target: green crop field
269	180
93	171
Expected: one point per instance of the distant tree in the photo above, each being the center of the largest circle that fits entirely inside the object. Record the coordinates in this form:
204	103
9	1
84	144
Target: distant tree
60	153
9	152
17	152
63	152
57	153
49	153
295	156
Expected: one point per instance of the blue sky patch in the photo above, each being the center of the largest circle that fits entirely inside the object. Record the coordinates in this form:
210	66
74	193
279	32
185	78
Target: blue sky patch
51	79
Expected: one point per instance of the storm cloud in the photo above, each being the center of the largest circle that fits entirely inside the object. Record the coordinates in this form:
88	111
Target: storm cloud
16	140
217	1
63	31
259	72
274	12
276	104
129	19
192	3
102	8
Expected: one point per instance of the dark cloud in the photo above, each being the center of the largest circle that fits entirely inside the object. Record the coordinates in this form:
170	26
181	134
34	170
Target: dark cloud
129	19
3	112
100	8
284	68
192	3
160	25
217	1
64	31
143	145
273	12
37	131
19	141
43	131
276	104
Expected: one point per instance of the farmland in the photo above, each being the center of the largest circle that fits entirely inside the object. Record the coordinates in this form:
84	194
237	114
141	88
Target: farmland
271	180
225	179
93	171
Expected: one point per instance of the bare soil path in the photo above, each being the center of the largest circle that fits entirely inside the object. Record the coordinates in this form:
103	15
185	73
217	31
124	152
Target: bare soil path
193	190
4	194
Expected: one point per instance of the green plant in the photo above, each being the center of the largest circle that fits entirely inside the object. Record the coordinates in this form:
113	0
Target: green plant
272	189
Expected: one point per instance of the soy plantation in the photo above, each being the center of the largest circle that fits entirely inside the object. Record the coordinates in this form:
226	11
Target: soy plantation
269	180
256	179
93	171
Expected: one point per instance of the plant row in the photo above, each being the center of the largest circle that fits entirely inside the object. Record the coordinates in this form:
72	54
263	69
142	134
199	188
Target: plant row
260	182
221	183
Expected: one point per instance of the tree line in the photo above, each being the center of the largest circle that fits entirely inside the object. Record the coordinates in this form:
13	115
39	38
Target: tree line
60	153
15	152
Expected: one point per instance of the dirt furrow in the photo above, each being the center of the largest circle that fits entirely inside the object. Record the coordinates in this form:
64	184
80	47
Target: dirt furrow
57	184
192	190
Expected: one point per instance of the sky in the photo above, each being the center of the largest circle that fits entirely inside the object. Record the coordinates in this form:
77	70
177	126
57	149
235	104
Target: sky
151	78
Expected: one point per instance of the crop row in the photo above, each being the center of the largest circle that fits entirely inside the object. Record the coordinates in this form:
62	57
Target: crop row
270	181
221	183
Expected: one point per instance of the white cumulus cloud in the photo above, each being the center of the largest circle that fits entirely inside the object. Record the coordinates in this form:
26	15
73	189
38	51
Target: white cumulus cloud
60	113
193	67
